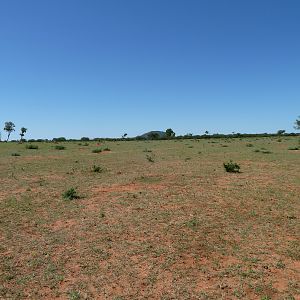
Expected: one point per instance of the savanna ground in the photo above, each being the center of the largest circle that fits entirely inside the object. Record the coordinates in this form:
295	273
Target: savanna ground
179	227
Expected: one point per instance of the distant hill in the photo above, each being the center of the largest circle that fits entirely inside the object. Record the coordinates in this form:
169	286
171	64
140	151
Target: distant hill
151	135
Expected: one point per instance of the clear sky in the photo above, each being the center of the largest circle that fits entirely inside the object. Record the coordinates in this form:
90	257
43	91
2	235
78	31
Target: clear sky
102	68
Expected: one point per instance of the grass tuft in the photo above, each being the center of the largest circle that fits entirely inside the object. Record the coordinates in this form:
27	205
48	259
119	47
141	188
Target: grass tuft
70	194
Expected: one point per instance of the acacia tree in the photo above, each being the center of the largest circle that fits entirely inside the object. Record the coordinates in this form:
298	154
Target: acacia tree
297	124
280	132
9	127
22	133
170	133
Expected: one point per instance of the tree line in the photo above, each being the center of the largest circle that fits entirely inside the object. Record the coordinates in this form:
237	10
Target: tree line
9	127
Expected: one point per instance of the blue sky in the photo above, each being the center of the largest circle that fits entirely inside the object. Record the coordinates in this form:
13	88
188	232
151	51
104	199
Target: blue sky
101	68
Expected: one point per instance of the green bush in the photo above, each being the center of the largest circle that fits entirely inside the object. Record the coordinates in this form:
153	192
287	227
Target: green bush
266	151
294	148
15	154
32	146
97	169
98	150
60	147
231	167
150	158
70	194
106	149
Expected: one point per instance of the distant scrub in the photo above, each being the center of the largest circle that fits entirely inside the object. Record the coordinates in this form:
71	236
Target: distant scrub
263	150
294	148
59	139
98	150
106	149
60	147
266	151
15	154
32	146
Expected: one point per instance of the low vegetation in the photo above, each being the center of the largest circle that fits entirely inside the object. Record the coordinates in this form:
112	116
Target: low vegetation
70	194
98	150
15	154
97	169
231	167
76	225
30	146
60	147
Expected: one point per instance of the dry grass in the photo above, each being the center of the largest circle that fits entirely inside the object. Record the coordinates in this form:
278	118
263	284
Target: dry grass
177	228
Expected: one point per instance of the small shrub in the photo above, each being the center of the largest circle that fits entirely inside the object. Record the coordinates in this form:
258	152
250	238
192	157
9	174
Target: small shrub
98	150
70	194
256	150
147	150
106	149
294	148
60	147
97	169
231	167
85	144
32	146
266	151
249	145
15	154
280	264
149	158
